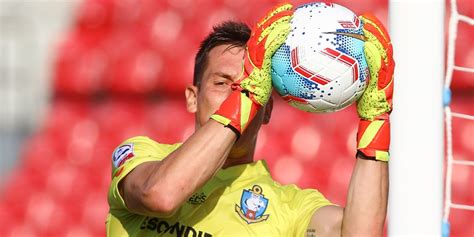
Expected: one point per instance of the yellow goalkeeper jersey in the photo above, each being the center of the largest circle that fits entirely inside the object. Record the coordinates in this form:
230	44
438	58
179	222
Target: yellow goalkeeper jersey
241	200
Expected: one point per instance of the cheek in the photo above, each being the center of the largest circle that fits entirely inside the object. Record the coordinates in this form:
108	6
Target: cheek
219	98
214	98
208	103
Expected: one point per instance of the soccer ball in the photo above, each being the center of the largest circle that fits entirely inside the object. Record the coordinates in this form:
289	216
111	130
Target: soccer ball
321	67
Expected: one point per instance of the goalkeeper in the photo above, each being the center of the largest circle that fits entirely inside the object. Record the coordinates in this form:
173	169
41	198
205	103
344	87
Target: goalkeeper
210	184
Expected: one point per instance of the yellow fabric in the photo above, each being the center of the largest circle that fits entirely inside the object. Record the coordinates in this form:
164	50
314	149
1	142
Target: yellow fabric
370	133
215	210
143	151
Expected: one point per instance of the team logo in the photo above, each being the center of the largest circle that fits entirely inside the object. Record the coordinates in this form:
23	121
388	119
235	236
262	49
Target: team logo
122	154
252	205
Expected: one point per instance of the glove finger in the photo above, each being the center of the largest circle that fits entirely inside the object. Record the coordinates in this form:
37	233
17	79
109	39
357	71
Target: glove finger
284	16
373	58
388	91
384	46
270	39
385	75
275	10
276	35
376	27
379	70
376	31
260	32
377	34
376	42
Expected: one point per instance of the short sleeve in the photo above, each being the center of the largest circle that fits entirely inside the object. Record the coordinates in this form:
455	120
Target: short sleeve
129	155
305	203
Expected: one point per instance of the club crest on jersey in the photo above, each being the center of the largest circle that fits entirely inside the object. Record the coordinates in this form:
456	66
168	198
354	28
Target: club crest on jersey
253	205
122	154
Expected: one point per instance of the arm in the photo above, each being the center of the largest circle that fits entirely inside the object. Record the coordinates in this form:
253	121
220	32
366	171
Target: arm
161	187
366	206
367	199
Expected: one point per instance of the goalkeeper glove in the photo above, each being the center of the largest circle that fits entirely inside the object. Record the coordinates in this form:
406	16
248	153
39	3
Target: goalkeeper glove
375	104
253	89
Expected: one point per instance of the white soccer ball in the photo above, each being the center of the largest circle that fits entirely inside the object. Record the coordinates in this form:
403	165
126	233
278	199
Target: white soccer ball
321	67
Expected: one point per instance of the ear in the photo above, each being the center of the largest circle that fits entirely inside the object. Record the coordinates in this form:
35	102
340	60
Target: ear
268	111
191	98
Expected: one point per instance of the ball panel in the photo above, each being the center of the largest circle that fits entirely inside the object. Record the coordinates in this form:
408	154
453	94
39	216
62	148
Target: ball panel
321	66
322	105
280	66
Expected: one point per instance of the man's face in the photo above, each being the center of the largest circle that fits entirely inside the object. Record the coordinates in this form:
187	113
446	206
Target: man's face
224	67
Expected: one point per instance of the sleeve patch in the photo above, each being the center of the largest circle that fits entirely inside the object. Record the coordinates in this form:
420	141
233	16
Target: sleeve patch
122	154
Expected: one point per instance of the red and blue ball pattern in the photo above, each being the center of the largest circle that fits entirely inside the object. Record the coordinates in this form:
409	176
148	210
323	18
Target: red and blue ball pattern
321	67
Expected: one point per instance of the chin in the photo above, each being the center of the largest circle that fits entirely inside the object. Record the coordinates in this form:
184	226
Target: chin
245	145
237	152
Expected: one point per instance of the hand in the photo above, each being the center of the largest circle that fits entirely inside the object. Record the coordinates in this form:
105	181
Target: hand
253	89
375	105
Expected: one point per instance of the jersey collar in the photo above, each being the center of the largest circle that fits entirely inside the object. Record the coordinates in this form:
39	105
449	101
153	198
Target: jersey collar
254	169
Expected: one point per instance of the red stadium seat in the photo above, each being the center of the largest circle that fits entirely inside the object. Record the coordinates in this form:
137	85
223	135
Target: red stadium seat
169	122
94	212
95	16
13	198
80	67
8	219
119	119
135	71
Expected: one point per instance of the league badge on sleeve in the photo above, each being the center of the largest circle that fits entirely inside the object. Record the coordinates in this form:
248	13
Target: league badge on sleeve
122	154
252	205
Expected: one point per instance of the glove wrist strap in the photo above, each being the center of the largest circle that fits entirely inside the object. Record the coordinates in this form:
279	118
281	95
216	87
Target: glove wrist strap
373	139
236	111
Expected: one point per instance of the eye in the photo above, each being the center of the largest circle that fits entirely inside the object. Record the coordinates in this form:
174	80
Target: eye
220	83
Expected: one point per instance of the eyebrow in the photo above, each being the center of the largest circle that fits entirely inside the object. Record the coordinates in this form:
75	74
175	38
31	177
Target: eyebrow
224	75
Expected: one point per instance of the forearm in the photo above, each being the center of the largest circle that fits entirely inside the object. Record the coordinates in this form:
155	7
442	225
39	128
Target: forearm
196	161
163	186
366	207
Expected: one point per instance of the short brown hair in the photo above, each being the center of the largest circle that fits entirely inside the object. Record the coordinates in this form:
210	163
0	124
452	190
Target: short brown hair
236	34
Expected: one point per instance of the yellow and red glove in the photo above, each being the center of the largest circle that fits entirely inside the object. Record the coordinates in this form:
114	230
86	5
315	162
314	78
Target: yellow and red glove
253	89
375	105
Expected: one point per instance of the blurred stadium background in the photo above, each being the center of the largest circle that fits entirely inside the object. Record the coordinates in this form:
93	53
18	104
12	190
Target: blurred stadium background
78	77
